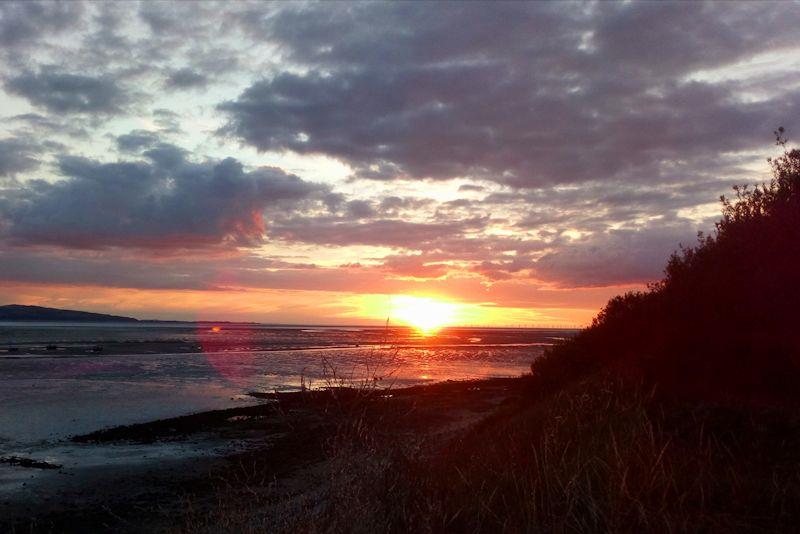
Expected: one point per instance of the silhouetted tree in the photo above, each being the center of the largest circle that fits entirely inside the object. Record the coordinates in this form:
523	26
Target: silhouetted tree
725	319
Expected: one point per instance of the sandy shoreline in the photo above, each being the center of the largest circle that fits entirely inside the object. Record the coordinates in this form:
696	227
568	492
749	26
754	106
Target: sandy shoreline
279	440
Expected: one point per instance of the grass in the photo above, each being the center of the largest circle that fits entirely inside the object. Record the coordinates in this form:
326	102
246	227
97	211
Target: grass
600	457
603	455
608	457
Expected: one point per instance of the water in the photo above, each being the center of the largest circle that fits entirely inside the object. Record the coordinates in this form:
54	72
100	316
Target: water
62	379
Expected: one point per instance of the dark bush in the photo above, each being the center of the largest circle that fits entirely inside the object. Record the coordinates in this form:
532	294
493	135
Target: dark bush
725	319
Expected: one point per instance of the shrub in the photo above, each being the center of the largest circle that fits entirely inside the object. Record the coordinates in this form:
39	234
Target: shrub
723	320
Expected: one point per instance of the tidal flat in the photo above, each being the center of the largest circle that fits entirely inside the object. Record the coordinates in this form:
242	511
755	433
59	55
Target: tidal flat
174	473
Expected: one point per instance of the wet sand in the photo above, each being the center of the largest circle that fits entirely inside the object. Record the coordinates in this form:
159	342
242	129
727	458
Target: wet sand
279	442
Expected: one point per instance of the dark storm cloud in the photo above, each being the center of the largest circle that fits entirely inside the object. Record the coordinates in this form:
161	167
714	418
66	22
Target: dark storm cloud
62	92
524	94
167	202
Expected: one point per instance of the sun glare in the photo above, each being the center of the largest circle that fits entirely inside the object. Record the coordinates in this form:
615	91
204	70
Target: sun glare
425	314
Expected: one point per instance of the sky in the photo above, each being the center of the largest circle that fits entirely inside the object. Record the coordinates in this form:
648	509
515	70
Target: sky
322	162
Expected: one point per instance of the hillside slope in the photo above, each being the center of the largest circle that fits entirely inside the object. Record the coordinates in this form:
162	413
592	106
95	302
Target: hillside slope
723	323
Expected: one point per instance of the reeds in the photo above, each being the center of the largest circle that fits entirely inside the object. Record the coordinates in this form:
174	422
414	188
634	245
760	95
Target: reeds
600	457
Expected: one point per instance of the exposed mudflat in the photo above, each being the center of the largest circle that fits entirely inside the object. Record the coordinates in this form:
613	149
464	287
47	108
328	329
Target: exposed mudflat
278	443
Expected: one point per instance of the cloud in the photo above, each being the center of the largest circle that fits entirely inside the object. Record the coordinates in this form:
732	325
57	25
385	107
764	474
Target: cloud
37	125
243	277
186	78
147	269
136	140
360	209
159	20
17	155
528	95
615	257
414	266
165	201
376	232
579	138
23	23
167	120
394	205
471	188
61	92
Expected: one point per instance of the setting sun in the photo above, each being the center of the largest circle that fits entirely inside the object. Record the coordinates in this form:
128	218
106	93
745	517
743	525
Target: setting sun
425	314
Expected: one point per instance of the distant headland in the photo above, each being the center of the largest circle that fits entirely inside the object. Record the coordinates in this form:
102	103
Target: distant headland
19	312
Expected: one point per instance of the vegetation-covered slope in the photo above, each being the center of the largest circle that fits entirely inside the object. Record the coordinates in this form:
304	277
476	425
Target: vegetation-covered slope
725	320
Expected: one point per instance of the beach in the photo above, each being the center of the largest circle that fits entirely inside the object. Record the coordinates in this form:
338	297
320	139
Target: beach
168	473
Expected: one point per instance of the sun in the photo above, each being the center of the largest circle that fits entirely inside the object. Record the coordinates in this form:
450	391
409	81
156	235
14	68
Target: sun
427	315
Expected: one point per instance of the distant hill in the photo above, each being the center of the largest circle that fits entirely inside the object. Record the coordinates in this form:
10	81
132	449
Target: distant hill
18	312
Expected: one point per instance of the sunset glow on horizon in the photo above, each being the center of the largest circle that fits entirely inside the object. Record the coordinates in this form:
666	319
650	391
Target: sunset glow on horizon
426	314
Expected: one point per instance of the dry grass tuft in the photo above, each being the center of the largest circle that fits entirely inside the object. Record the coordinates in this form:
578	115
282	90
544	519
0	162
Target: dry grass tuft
602	456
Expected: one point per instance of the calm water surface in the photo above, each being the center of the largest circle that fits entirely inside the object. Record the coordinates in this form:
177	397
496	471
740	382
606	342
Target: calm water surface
59	379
